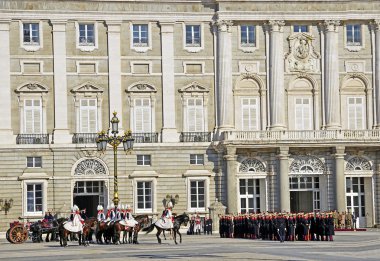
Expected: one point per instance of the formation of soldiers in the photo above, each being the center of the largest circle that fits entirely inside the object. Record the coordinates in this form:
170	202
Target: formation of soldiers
279	226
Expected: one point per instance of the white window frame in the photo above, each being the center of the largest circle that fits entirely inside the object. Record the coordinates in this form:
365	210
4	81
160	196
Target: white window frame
197	159
358	194
86	48
206	181
246	196
34	162
153	209
25	184
248	49
250	127
141	48
145	158
41	116
31	47
81	109
307	26
193	49
354	48
201	107
135	116
310	113
363	108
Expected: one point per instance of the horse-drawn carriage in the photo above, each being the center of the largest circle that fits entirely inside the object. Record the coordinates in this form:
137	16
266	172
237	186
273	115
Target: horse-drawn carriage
19	232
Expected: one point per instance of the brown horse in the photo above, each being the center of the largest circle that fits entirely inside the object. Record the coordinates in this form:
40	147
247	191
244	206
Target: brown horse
89	224
104	230
142	221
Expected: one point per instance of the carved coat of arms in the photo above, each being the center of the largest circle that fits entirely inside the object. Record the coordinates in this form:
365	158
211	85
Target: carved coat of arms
302	57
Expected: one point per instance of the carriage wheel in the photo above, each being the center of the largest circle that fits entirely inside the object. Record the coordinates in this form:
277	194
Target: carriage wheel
18	235
7	235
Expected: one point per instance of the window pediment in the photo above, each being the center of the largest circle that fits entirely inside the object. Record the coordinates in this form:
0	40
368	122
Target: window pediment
34	87
141	87
194	87
87	87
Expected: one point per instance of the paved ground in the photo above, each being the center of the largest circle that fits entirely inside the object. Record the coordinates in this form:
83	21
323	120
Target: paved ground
346	246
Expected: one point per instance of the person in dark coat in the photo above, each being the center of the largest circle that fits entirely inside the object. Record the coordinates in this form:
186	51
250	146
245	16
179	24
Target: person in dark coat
329	227
291	227
280	224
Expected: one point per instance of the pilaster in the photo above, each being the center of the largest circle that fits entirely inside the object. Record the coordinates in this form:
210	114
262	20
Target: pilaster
276	75
6	132
331	75
114	71
376	28
340	181
169	130
283	177
61	129
232	200
224	70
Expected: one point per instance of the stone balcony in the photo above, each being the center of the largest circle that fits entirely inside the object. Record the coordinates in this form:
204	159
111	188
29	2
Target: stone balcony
303	137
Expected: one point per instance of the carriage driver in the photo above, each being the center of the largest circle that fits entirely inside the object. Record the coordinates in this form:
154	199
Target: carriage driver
167	216
100	217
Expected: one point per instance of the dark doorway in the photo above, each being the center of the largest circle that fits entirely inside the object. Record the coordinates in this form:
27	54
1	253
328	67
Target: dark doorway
90	203
301	201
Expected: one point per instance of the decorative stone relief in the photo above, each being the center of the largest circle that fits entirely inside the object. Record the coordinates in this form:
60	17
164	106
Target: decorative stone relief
251	165
87	87
90	167
248	67
358	164
354	66
31	88
194	87
224	26
302	57
306	165
141	87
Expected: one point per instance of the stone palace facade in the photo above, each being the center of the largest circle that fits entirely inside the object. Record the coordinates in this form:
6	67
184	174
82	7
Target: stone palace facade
261	105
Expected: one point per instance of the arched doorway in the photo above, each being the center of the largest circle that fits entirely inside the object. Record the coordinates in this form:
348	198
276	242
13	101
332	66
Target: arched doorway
304	184
90	185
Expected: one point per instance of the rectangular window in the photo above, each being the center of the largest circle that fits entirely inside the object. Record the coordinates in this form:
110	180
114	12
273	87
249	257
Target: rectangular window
31	32
303	110
354	34
143	160
249	194
88	116
248	35
34	197
195	115
87	34
32	116
140	35
250	114
34	162
196	159
197	194
300	29
143	117
144	195
355	110
193	35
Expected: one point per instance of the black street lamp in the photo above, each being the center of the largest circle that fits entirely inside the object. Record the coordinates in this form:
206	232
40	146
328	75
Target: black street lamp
114	140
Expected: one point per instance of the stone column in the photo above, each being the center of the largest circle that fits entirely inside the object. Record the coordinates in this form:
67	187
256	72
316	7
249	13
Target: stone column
276	75
61	128
232	200
225	105
6	132
169	130
376	28
331	75
114	72
283	178
216	210
340	191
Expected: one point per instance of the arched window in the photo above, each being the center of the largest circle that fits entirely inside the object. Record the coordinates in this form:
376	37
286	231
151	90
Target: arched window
90	167
358	164
251	166
306	164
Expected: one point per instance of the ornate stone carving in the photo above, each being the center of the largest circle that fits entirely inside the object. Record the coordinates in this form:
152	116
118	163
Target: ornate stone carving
376	25
223	25
306	165
251	166
90	167
141	87
276	25
194	87
87	87
302	56
331	25
31	88
358	164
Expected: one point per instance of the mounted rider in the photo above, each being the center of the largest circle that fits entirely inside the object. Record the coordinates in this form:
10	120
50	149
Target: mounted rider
118	213
166	220
129	220
75	223
110	217
100	217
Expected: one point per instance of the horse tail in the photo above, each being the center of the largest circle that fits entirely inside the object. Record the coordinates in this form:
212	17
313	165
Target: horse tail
148	229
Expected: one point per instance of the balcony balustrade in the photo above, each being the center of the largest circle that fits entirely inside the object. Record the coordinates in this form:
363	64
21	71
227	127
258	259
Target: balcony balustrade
305	136
195	137
32	139
149	137
83	138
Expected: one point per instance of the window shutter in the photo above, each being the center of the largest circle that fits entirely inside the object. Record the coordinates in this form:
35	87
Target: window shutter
37	120
249	114
33	116
143	115
92	120
191	118
146	119
138	119
28	114
195	117
303	118
356	115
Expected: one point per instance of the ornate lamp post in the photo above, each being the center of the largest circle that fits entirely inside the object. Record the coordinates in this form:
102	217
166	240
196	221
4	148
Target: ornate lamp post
114	140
